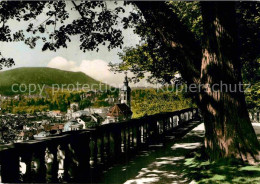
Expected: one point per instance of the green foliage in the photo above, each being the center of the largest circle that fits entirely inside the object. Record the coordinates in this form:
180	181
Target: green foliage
85	103
92	124
152	101
249	17
53	98
29	109
154	58
95	27
249	36
253	96
144	102
223	171
153	55
49	77
189	14
142	59
60	100
101	103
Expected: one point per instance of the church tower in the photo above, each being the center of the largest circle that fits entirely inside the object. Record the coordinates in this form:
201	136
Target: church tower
125	93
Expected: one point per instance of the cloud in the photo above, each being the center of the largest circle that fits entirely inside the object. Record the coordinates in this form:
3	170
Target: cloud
97	69
63	64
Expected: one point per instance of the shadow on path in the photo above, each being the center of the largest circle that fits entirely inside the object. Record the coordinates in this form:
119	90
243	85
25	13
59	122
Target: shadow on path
179	159
160	163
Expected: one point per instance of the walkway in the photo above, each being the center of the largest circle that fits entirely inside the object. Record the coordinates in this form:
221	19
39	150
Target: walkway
165	162
161	163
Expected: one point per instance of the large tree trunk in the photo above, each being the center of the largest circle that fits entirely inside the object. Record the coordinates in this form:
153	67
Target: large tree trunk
229	132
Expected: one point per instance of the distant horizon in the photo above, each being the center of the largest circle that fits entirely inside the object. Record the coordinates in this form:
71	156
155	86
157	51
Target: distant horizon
132	85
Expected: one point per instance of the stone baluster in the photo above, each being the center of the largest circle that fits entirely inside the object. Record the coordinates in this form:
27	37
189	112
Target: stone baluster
164	125
94	150
39	158
147	130
117	142
144	132
9	166
52	164
138	136
185	116
107	147
152	130
102	150
72	153
69	162
179	119
26	157
66	163
128	137
81	147
112	145
123	135
133	137
175	121
169	123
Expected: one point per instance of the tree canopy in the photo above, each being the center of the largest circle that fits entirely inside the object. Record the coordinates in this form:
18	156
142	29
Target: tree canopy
207	42
150	57
97	24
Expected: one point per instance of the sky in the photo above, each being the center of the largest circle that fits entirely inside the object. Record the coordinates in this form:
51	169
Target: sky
92	63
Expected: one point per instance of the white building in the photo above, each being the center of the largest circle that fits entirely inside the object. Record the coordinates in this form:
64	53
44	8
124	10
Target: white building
102	111
77	114
72	125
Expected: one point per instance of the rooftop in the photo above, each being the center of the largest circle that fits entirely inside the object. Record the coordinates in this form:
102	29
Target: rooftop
120	110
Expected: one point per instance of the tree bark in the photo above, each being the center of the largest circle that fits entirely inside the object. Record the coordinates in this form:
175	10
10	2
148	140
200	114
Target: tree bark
228	130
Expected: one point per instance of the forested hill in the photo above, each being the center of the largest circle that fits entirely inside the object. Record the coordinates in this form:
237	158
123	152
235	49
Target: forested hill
42	76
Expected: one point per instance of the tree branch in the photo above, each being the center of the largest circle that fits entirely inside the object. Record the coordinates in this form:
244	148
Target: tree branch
44	21
77	8
177	37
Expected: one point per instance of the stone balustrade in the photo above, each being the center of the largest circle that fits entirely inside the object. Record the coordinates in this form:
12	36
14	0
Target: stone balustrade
77	156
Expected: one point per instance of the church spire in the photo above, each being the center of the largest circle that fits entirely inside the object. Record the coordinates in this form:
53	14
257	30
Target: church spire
125	93
126	80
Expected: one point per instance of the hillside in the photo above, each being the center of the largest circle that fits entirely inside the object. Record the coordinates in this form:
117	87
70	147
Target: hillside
41	76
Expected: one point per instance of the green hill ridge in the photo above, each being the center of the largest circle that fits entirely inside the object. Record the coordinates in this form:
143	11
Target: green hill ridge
42	76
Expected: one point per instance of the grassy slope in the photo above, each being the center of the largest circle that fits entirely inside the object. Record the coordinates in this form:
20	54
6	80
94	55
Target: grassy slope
41	75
